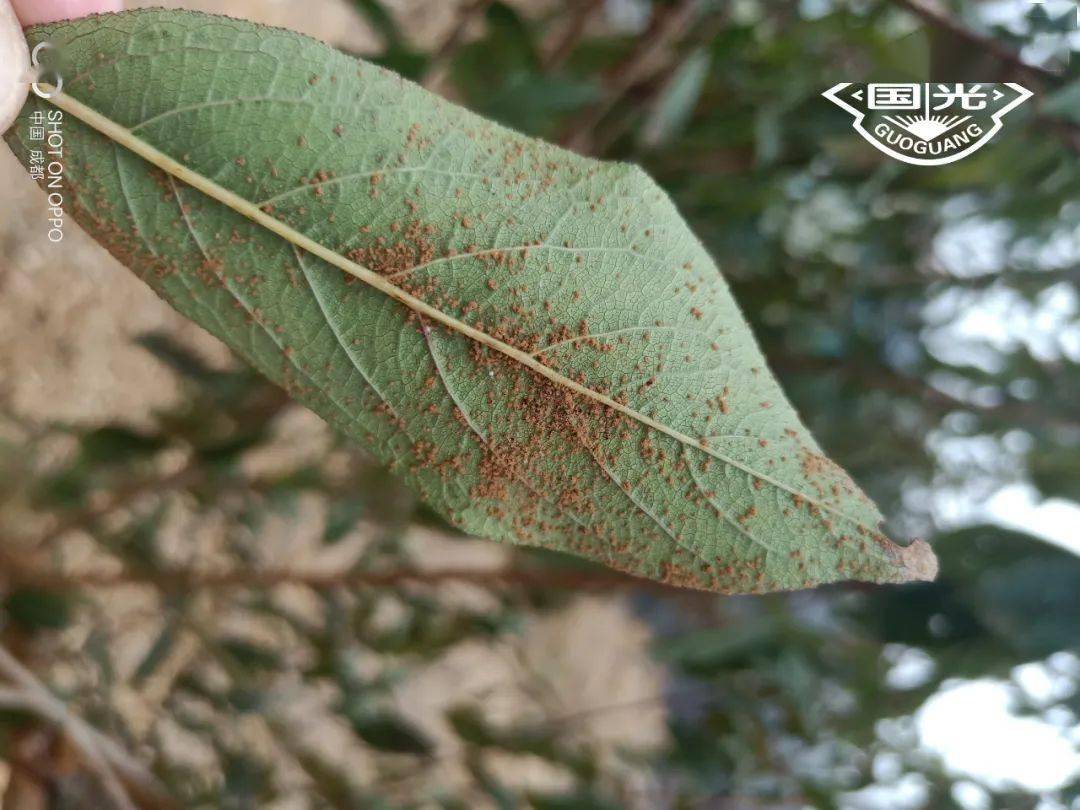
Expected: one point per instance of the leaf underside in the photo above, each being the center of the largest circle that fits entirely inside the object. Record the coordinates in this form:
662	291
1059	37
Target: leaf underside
616	407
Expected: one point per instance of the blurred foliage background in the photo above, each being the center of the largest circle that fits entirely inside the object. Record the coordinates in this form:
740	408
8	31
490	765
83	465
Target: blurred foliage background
209	600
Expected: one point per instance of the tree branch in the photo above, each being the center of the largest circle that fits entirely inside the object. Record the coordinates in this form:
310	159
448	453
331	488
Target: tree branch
571	35
667	27
440	60
23	574
116	769
942	20
118	498
1068	132
886	379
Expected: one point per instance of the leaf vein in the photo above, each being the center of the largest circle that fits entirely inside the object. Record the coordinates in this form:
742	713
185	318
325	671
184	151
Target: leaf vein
246	208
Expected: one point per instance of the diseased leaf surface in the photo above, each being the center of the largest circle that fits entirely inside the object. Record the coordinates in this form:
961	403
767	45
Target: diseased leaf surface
584	265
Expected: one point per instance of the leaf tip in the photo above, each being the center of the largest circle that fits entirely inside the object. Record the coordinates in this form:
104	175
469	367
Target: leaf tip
918	561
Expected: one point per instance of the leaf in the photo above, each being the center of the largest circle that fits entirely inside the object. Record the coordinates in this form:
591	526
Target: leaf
533	340
38	609
1004	594
397	54
114	444
250	656
382	21
715	650
583	800
388	731
676	103
1064	103
159	651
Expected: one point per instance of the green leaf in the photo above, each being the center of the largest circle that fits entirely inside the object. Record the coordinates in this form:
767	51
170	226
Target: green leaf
381	20
159	651
676	103
397	54
37	609
1064	103
533	340
722	649
179	358
387	731
250	656
540	740
1001	589
584	800
115	444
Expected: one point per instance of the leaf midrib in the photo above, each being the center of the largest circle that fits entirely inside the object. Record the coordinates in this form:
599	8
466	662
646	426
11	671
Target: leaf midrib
125	137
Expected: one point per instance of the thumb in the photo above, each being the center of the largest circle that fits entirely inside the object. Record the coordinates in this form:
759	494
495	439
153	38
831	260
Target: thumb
14	56
14	66
39	11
